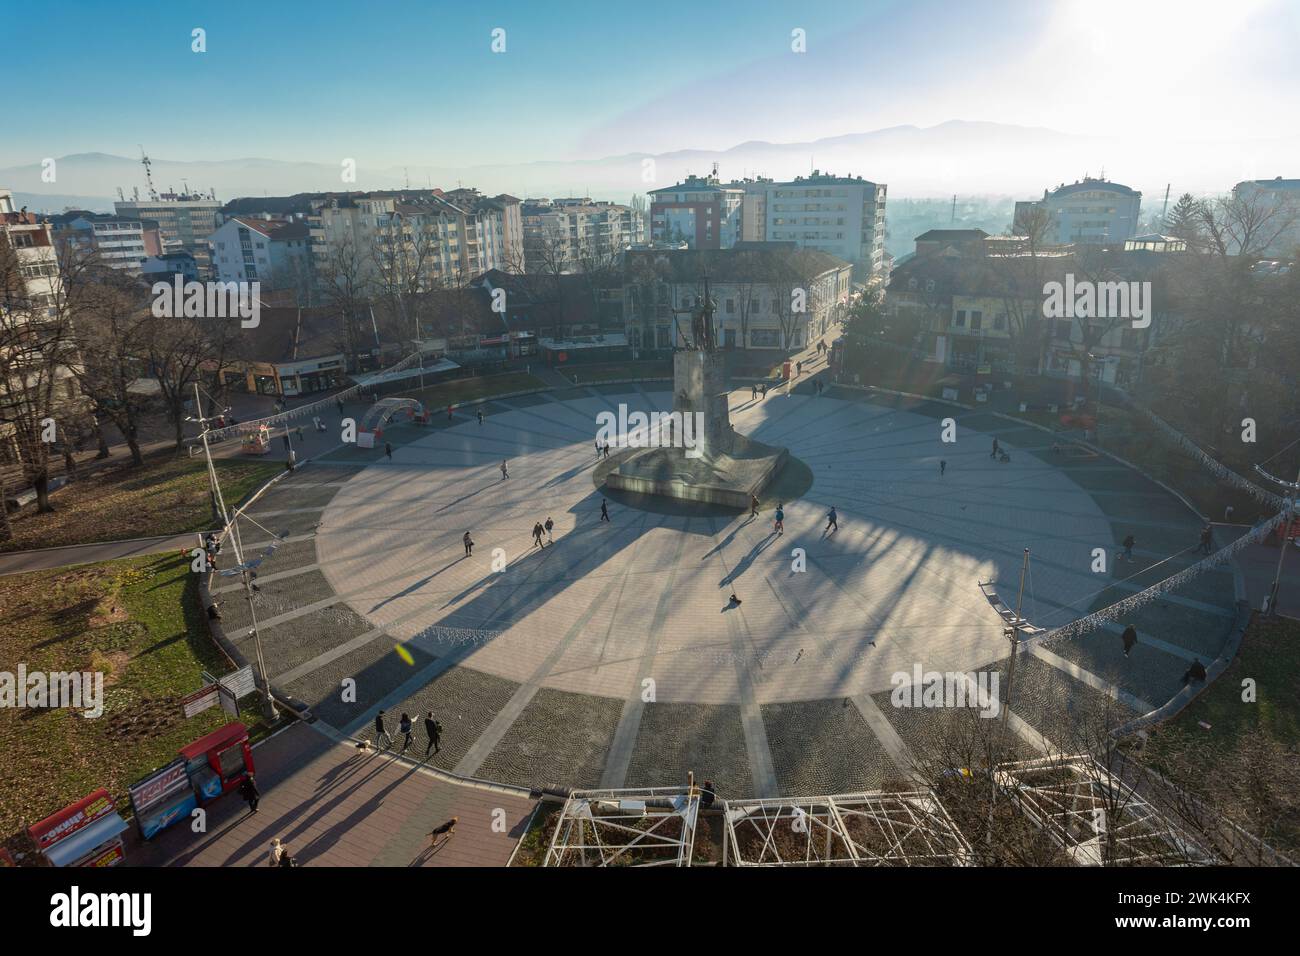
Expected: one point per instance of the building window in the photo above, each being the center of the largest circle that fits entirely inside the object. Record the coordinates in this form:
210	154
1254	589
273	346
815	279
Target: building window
960	320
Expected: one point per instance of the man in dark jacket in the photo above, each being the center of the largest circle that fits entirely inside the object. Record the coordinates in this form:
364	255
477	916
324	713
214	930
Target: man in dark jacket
248	790
434	730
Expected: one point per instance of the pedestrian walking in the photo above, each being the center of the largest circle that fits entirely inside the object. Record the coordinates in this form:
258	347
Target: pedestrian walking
604	510
380	732
449	408
434	730
469	544
994	452
537	535
550	529
388	450
278	850
753	506
1129	637
943	466
248	790
753	392
1128	547
1227	515
597	444
480	416
606	449
779	524
1207	539
504	474
832	521
405	728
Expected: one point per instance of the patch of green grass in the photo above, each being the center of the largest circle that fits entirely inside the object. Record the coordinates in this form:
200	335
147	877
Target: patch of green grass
616	371
138	622
165	495
438	397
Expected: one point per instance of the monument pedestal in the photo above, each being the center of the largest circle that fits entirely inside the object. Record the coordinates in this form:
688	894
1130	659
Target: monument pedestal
729	467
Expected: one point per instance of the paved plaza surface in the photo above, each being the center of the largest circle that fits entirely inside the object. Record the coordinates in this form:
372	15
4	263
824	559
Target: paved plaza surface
333	806
613	656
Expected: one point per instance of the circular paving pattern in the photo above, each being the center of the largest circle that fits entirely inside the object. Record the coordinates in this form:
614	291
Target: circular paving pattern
613	655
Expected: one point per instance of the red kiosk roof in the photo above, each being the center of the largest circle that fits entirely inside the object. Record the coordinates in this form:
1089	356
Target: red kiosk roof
217	740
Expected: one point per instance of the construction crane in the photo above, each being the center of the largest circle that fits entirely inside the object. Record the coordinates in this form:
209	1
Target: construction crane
148	173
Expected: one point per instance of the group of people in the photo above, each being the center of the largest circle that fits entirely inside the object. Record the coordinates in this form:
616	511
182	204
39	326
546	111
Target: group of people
406	727
539	529
602	451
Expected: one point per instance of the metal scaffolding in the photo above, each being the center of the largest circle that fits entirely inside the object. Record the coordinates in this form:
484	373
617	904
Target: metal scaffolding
850	829
1094	816
649	827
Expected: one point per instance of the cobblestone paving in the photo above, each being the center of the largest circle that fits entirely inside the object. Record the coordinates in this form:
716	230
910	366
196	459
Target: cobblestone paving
911	544
283	596
824	746
677	738
464	701
560	739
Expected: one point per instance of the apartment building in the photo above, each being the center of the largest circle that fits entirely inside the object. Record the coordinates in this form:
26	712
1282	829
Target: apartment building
414	239
574	234
1279	200
118	242
185	221
274	252
1090	211
699	210
843	216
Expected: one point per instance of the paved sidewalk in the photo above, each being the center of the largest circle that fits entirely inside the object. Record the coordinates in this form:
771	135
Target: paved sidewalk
335	806
20	562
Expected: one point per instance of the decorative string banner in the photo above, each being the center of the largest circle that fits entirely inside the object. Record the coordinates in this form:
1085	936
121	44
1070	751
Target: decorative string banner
1220	471
309	411
1122	609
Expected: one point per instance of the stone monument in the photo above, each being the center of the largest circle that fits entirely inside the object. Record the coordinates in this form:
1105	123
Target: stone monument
696	454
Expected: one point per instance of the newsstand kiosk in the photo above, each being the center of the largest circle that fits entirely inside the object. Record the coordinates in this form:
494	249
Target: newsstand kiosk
204	770
86	833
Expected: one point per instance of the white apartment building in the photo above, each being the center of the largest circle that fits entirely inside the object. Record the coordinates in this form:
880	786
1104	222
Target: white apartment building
446	238
578	233
117	241
1090	211
38	262
840	215
273	252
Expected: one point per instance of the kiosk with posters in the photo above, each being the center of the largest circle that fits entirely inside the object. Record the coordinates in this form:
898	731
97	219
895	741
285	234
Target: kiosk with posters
87	833
211	766
219	762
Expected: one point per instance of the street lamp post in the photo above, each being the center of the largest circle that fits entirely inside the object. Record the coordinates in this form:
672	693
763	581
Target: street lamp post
1289	503
268	703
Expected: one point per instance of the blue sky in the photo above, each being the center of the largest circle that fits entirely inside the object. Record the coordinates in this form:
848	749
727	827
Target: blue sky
398	82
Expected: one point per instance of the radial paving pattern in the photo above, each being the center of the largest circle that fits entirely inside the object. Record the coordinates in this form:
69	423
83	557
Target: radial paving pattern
611	657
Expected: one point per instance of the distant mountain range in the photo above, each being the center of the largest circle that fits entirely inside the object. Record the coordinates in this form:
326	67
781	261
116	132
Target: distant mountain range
961	157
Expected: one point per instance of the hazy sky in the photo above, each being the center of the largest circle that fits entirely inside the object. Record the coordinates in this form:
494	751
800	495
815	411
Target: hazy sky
416	82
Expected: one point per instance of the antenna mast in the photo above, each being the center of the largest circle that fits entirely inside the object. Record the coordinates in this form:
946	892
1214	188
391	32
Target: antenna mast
148	174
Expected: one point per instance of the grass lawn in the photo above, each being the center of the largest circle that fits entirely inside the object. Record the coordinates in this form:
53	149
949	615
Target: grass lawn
137	621
1244	737
615	371
167	495
438	397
